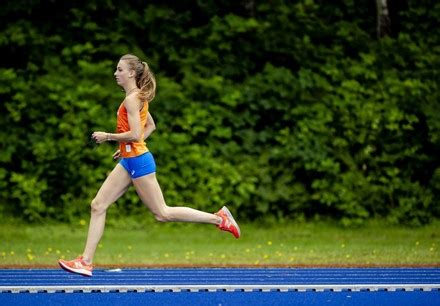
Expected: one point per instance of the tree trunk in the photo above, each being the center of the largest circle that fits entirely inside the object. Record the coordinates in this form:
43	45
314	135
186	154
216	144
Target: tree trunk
383	19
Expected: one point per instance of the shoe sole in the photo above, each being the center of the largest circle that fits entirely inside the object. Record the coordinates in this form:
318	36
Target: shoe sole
228	213
80	272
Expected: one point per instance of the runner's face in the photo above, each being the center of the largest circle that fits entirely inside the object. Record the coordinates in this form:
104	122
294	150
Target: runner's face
122	73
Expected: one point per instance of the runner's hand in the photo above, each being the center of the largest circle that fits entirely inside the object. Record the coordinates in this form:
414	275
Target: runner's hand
117	154
100	137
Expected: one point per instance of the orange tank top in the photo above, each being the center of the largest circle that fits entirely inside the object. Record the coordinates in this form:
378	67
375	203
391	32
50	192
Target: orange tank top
131	149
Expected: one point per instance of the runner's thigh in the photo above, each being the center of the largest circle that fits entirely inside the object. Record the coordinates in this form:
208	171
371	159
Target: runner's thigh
114	186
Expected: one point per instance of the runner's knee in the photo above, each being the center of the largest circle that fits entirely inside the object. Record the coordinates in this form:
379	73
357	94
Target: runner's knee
98	207
162	215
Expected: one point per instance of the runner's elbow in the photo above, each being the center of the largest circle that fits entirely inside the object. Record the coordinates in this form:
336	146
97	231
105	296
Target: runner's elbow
135	136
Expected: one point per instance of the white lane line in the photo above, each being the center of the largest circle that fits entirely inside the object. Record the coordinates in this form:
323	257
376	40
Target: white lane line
213	288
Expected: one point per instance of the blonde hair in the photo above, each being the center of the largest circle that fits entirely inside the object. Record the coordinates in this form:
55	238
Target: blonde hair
145	79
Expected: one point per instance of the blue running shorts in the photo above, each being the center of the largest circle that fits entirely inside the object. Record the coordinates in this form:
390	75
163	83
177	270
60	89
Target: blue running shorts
140	165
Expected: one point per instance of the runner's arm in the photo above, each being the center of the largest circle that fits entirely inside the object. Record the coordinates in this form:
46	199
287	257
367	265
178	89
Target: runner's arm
150	126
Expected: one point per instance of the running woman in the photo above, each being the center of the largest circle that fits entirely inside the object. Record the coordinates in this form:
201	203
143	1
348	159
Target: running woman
136	166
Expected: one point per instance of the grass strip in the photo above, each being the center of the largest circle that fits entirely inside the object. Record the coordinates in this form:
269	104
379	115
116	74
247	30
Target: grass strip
288	244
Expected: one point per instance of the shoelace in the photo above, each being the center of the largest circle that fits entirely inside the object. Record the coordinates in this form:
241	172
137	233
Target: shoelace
226	222
78	264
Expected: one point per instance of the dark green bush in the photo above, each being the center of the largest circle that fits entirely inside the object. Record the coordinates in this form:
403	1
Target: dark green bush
288	110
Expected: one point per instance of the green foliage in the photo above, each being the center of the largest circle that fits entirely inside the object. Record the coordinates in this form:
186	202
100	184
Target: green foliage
280	110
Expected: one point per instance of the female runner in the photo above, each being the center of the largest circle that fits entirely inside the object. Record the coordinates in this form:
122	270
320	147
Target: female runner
136	166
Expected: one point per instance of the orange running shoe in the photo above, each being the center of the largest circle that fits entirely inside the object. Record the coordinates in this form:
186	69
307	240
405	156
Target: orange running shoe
76	266
228	223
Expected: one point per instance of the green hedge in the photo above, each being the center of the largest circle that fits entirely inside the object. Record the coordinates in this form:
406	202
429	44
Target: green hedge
283	110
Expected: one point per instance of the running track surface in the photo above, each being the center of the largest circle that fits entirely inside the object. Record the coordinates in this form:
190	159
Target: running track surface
223	286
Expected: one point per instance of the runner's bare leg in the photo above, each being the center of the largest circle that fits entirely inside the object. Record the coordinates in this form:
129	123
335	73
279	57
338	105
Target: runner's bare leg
151	195
115	185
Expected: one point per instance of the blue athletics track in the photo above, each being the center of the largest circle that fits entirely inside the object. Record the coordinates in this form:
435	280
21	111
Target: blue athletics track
223	286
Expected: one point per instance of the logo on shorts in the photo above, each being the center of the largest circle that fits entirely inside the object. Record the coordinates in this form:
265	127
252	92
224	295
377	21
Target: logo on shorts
132	172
